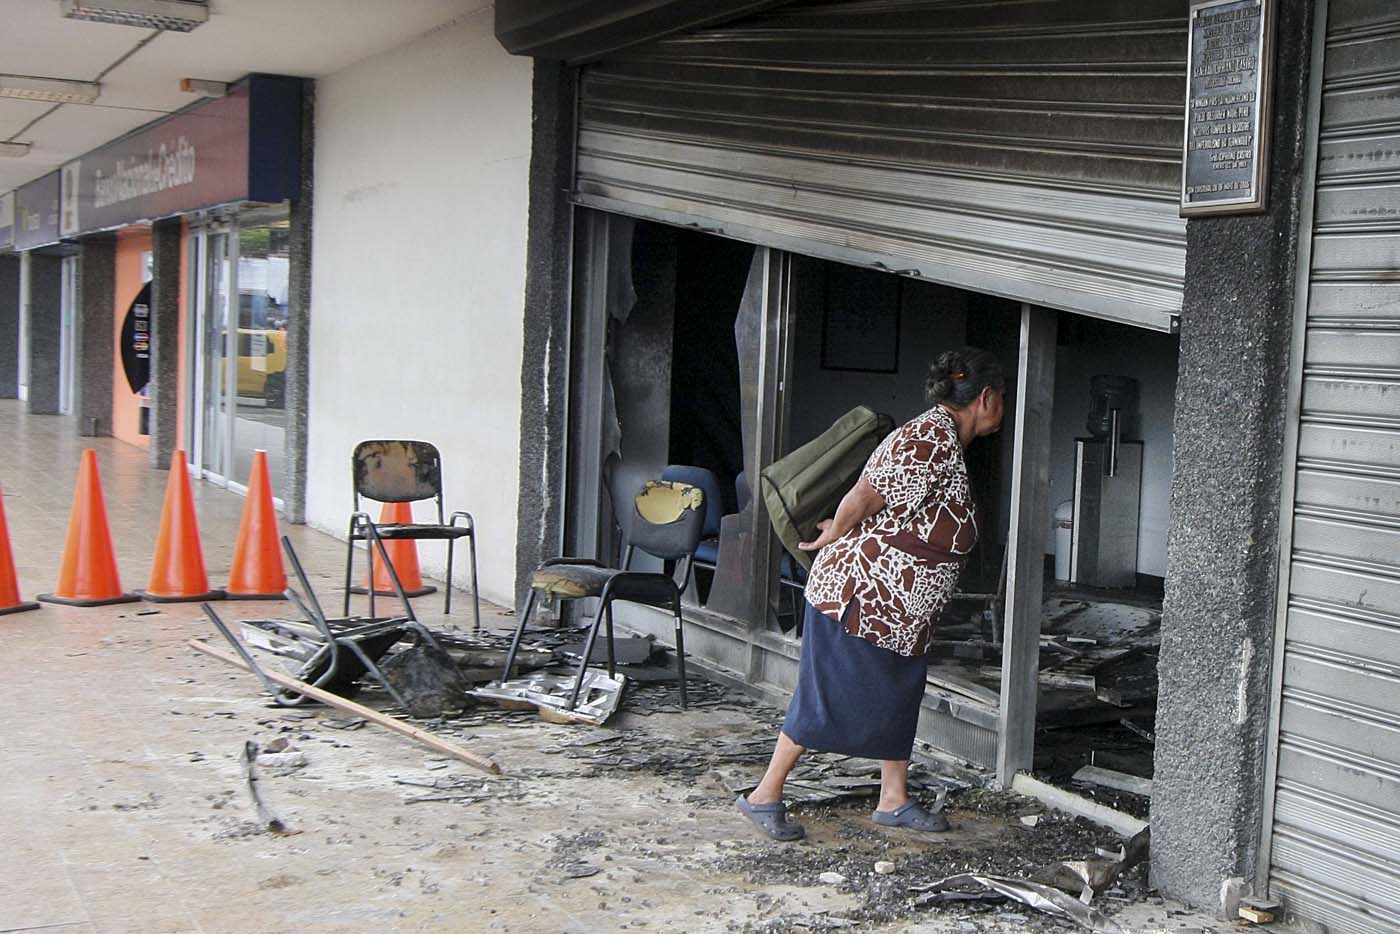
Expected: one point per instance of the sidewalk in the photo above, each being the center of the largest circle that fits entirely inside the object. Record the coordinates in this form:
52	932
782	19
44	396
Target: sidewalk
125	809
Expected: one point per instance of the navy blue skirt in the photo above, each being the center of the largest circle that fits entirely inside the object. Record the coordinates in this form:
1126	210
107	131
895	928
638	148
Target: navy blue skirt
853	697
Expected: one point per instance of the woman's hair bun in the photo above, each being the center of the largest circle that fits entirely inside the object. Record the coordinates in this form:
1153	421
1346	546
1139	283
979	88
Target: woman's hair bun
958	376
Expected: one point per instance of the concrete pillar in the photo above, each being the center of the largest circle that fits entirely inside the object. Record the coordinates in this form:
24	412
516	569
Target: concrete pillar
9	326
96	350
164	389
543	390
1219	616
44	319
299	317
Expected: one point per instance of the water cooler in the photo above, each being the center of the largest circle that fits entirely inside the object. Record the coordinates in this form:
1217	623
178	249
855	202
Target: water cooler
1107	489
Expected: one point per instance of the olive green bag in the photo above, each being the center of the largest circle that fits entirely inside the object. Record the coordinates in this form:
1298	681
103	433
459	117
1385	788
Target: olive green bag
806	486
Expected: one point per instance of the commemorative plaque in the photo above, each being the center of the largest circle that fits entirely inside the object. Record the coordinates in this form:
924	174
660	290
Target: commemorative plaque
1229	75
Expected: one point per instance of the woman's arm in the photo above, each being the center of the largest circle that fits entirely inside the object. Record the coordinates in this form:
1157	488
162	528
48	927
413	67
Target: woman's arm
859	504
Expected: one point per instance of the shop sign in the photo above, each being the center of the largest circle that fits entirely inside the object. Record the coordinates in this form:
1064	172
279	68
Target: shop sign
7	220
1229	77
245	146
36	213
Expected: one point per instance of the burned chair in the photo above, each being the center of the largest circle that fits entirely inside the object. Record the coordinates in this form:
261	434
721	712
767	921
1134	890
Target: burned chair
666	522
389	471
338	653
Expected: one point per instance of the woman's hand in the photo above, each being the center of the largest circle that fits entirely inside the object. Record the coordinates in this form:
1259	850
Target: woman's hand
826	537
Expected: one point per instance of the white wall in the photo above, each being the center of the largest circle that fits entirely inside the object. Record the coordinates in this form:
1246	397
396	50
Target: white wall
418	277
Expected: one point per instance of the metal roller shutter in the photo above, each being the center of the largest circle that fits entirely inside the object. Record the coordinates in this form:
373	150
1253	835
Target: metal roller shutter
1334	846
1030	150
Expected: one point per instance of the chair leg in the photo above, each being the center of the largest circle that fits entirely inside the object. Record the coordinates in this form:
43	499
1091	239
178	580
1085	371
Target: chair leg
394	580
370	550
447	601
680	647
588	650
476	593
519	631
349	566
612	659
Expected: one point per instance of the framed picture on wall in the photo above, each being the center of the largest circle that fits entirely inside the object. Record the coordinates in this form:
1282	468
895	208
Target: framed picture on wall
860	320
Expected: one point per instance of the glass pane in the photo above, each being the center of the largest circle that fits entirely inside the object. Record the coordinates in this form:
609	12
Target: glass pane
215	356
733	591
261	415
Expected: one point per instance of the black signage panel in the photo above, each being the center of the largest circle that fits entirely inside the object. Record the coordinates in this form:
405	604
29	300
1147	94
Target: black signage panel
36	213
244	146
1228	82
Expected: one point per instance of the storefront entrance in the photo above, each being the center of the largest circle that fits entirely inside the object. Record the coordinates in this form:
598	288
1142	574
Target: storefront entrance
237	358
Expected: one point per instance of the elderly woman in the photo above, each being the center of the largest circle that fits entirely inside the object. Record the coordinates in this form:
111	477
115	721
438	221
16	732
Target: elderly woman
887	564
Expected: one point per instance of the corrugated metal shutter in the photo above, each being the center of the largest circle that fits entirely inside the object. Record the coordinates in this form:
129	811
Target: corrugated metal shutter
1026	149
1335	840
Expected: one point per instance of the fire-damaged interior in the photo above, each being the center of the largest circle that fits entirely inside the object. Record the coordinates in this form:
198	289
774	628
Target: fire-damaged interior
718	358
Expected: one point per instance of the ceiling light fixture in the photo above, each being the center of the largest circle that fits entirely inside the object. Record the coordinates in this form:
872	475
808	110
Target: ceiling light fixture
14	150
170	15
56	90
203	86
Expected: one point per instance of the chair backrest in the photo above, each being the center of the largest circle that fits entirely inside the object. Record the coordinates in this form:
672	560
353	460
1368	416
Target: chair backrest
396	471
709	483
668	518
742	493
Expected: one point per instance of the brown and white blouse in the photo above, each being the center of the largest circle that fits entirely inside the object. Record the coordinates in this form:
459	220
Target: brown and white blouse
900	565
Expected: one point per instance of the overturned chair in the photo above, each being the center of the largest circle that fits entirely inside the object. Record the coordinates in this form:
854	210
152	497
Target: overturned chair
341	652
666	522
398	471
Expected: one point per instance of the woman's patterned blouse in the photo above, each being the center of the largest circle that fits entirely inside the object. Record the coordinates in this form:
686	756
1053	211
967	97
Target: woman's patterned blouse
900	566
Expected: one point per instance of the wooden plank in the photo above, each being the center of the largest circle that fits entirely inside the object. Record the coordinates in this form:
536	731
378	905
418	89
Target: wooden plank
951	682
1119	781
1030	483
1124	824
359	710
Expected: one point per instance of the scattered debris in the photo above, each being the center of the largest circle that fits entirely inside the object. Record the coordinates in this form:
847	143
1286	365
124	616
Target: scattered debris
1259	911
884	867
1088	877
597	701
1032	894
1031	820
267	818
831	878
374	716
282	760
627	650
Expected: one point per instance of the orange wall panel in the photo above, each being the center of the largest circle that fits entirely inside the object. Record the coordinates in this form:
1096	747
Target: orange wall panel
132	244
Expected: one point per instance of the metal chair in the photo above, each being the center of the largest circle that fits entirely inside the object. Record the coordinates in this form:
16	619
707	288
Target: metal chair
666	522
707	551
396	471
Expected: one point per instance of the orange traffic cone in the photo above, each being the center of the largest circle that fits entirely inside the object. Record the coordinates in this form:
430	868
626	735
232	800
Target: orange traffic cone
258	572
88	575
9	582
403	554
177	570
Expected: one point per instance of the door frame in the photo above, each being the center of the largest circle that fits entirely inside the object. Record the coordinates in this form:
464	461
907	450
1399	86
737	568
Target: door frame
199	321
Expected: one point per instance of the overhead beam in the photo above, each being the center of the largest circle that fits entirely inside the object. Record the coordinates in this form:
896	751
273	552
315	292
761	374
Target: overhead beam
1025	570
576	32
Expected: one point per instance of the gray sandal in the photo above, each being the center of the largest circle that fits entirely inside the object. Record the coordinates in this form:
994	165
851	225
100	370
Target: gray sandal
771	819
912	816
